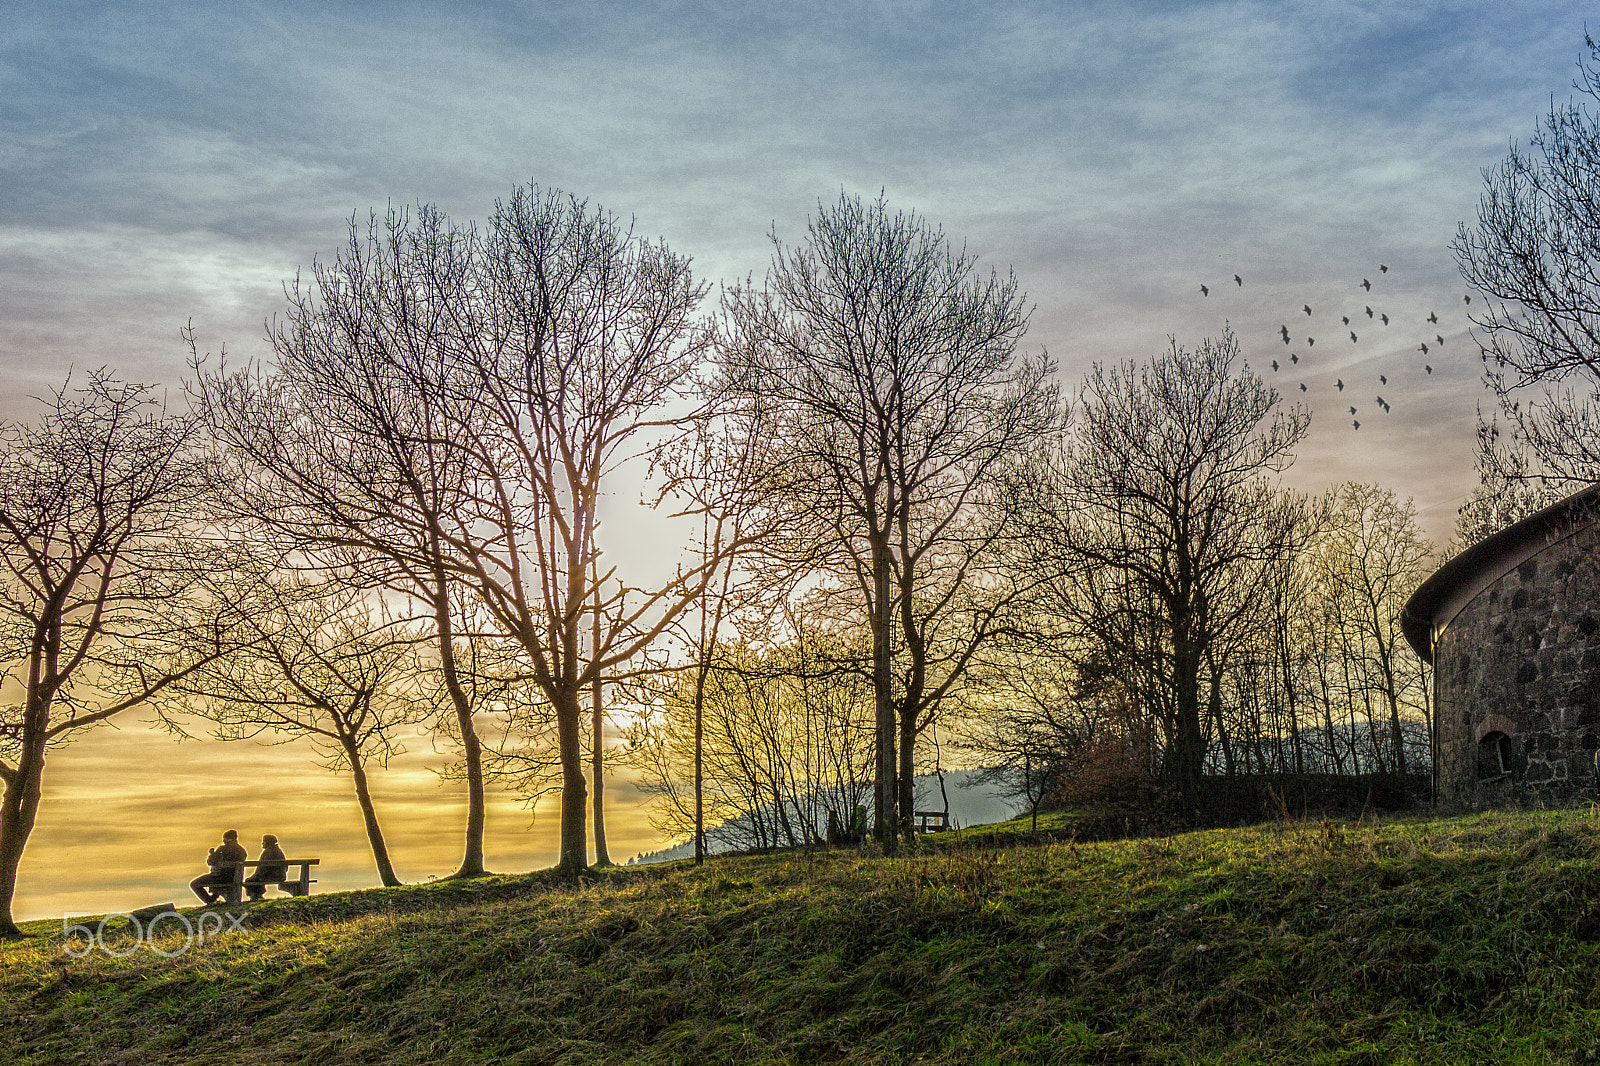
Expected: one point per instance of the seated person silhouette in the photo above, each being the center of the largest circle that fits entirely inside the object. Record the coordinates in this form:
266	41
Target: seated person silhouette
268	873
212	887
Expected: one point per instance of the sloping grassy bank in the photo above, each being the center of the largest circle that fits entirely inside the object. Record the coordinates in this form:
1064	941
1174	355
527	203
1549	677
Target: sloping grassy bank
1451	941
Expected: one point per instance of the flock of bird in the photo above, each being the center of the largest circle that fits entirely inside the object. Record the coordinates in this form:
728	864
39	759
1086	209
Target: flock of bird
1350	323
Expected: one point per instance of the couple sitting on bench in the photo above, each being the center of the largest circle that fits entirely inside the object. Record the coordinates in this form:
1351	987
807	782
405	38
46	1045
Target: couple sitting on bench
272	868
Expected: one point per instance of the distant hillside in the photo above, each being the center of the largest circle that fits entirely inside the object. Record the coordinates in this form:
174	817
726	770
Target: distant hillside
971	803
1469	940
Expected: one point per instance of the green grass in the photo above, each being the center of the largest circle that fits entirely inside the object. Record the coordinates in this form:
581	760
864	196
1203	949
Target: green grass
1465	940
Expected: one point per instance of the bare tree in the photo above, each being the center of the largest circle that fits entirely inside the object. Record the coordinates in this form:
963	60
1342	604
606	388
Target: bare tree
323	665
773	742
710	470
1534	253
581	365
1163	524
1509	485
1370	557
102	557
344	448
883	369
448	405
1026	717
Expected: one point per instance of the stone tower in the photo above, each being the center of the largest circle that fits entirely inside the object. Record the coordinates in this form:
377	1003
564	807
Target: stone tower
1512	628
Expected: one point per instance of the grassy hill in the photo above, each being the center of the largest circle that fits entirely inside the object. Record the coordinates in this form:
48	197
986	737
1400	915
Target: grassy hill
1452	941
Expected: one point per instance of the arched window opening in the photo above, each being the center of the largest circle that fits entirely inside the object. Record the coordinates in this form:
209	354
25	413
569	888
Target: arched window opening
1494	756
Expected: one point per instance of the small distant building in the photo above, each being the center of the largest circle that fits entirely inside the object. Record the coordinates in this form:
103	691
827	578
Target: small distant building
1512	628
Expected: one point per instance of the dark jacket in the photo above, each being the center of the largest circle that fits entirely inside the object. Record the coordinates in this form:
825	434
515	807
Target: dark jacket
271	871
225	855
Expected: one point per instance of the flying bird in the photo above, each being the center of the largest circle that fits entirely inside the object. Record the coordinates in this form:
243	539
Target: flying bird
1385	319
1439	339
1365	284
1310	341
1355	423
1352	410
1382	269
1369	312
1428	368
1382	380
1204	291
1237	280
1352	336
1302	386
1307	309
1274	366
1339	384
1379	401
1468	299
1294	357
1424	347
1434	318
1284	330
1345	318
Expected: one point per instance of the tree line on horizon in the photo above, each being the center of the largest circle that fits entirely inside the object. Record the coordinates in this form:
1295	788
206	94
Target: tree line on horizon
900	538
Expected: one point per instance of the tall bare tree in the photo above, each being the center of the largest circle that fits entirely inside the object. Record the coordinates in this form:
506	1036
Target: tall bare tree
1534	253
580	366
102	561
447	405
1163	525
346	448
882	366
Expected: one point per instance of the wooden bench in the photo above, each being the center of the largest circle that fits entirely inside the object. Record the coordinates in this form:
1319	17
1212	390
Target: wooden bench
295	886
932	821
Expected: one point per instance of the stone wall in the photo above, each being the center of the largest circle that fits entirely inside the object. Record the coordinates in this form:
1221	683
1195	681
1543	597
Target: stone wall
1517	685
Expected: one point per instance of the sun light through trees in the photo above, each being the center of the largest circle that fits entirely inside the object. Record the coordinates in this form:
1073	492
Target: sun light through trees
890	532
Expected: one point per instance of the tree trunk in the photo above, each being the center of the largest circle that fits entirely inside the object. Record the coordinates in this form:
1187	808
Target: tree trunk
883	698
699	752
1328	728
574	790
1033	803
597	767
380	850
1396	733
1188	754
911	701
601	856
907	780
471	747
1214	712
24	788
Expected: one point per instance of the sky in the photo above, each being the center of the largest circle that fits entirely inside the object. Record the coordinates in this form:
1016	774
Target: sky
167	164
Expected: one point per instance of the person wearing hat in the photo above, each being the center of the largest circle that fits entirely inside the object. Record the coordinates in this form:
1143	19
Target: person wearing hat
271	871
221	860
